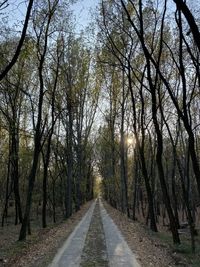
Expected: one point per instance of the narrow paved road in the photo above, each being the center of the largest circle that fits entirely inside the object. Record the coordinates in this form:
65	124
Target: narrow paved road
95	242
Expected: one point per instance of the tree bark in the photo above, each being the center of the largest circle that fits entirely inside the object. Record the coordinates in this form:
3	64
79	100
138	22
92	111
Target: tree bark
31	181
69	163
182	6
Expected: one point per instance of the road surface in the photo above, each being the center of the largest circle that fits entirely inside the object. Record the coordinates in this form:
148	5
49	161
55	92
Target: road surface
95	242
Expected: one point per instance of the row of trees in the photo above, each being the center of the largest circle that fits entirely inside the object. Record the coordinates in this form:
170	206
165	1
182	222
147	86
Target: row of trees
146	65
150	63
48	102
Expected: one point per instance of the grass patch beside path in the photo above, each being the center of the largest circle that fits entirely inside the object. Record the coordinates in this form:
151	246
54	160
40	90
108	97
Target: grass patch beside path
183	250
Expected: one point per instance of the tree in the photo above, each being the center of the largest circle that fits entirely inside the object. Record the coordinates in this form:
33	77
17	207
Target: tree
11	108
182	6
42	34
123	46
46	151
21	41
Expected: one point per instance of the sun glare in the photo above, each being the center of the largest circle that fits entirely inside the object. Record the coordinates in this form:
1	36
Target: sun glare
130	140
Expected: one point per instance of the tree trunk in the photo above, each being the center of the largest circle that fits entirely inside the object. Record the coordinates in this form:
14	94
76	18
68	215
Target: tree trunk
80	172
135	186
31	181
69	164
182	6
54	203
123	170
174	196
15	172
7	195
44	187
140	147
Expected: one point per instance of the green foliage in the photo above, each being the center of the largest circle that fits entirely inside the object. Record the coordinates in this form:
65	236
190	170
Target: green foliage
184	249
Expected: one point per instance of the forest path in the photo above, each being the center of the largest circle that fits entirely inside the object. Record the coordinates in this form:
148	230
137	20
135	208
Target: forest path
95	242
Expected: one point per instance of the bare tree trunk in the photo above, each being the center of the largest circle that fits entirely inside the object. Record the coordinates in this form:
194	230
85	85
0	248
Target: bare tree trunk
46	157
54	202
123	158
31	181
80	171
69	164
7	195
135	185
15	172
182	6
140	147
174	194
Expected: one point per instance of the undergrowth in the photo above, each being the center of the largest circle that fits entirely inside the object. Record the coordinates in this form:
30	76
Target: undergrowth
184	249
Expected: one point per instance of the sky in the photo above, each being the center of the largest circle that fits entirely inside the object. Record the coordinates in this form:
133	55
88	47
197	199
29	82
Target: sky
17	11
82	11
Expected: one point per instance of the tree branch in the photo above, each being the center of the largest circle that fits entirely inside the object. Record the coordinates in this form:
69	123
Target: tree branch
20	44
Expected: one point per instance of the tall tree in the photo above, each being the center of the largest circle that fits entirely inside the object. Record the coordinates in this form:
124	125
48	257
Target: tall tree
42	35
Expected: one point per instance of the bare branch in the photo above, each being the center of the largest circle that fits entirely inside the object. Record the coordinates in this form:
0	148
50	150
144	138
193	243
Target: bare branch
21	41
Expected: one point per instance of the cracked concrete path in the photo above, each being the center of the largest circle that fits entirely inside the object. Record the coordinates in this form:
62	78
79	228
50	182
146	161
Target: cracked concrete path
95	242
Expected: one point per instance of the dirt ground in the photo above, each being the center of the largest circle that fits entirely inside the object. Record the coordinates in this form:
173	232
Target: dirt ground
149	250
39	248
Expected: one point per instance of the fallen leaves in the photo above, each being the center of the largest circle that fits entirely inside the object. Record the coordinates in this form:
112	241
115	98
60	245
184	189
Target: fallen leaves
149	252
39	250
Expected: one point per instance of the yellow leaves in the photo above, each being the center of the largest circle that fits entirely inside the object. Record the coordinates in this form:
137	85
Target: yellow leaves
130	9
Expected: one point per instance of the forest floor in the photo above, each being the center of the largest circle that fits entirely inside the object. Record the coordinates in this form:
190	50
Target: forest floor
39	249
155	249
